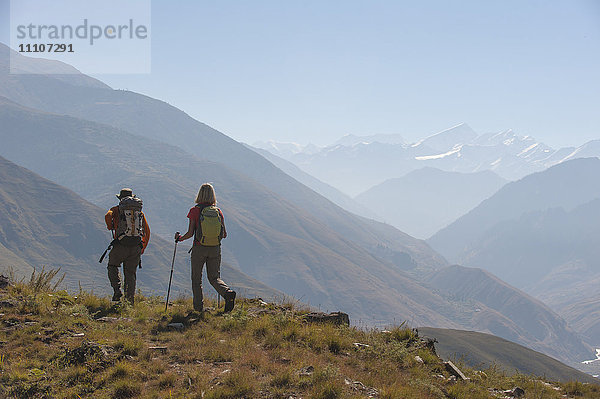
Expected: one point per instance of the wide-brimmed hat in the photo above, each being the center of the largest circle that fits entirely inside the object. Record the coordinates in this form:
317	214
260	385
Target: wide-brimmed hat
125	192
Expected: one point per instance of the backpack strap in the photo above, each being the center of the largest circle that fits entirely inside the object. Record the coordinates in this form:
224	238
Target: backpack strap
198	228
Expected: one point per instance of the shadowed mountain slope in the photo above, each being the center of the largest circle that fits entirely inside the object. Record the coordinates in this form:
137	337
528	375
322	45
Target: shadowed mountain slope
525	251
584	316
540	234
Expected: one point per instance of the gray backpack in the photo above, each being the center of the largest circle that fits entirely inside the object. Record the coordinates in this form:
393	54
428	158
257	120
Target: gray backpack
130	228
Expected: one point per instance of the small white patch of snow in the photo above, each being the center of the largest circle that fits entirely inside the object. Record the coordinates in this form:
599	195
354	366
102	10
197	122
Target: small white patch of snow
439	156
531	147
570	155
509	141
496	162
595	360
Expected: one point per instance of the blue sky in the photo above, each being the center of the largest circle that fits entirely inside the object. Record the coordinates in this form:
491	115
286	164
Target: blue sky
312	71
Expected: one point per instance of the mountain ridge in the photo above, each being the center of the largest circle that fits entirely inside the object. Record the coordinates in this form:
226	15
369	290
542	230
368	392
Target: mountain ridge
425	200
565	185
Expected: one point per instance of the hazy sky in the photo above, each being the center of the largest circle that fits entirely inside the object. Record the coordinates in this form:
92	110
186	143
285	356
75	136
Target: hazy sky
312	71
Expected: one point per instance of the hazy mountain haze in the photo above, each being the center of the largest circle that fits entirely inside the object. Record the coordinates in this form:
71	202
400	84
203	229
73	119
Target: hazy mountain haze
425	200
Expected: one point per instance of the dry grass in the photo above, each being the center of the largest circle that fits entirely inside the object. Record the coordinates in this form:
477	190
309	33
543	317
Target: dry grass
256	351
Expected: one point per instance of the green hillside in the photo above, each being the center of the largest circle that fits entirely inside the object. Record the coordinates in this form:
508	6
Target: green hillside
484	350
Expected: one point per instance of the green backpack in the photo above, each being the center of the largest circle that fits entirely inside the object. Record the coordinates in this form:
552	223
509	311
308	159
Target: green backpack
209	228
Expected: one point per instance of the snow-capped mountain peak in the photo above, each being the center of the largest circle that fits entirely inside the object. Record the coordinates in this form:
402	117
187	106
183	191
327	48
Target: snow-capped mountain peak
449	138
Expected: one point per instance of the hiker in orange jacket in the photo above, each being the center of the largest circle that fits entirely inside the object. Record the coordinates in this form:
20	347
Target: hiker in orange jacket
131	234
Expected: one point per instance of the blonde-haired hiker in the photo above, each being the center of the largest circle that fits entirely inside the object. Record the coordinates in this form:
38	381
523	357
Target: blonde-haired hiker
207	226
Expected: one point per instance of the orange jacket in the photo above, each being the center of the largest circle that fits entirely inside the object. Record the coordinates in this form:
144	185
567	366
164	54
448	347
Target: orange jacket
112	221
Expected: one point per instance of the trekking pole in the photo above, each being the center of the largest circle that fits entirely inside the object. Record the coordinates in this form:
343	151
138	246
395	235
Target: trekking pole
171	278
112	233
105	251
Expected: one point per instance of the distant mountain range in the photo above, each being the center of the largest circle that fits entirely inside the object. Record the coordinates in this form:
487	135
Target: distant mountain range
327	191
566	185
355	161
426	200
94	140
540	234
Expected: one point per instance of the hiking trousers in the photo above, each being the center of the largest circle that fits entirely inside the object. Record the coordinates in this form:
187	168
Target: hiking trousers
130	258
212	257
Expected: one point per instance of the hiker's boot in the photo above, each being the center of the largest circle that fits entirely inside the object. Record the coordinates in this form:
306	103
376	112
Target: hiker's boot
229	301
198	304
117	296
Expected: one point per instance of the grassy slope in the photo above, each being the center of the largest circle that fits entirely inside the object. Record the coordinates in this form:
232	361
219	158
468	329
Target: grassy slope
484	350
55	345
